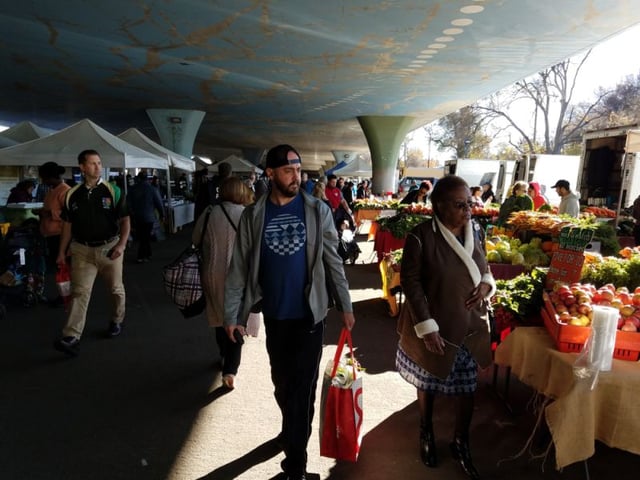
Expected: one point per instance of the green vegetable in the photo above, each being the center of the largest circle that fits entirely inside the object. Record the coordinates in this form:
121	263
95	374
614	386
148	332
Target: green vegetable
522	295
400	225
606	235
610	270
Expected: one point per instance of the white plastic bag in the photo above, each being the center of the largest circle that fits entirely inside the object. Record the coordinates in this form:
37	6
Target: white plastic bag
253	324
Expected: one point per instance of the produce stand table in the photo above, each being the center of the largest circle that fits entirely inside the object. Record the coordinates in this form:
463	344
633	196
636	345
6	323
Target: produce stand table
385	242
17	213
576	415
627	242
363	214
369	216
180	215
390	277
504	271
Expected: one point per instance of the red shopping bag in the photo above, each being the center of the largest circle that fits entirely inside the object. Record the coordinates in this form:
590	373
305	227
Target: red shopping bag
63	284
341	408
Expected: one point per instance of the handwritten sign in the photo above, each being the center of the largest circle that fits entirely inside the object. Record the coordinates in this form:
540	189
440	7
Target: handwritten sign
566	263
575	239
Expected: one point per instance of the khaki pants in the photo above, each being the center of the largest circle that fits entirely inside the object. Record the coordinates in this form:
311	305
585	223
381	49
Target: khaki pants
86	264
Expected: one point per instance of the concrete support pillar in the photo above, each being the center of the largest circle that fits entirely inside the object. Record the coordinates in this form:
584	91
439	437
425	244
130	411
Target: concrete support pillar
384	136
177	129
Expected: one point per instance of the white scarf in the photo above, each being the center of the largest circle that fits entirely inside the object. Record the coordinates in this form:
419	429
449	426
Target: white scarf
464	252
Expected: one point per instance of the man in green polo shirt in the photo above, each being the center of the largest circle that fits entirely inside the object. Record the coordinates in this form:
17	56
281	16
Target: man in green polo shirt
95	231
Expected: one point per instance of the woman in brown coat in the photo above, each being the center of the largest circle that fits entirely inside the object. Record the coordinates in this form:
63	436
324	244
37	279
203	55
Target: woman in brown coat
444	328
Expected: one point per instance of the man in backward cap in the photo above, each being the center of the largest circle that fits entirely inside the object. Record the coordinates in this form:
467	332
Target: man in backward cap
569	201
285	258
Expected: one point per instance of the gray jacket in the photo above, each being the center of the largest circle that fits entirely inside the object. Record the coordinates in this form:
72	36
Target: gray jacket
326	271
570	205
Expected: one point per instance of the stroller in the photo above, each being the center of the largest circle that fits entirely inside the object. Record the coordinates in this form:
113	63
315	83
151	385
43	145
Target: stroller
348	248
22	266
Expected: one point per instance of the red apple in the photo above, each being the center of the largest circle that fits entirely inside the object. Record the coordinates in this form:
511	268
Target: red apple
627	311
606	294
616	303
625	298
569	300
635	320
564	317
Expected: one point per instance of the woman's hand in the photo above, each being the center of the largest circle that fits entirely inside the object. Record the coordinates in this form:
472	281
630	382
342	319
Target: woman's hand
434	343
477	295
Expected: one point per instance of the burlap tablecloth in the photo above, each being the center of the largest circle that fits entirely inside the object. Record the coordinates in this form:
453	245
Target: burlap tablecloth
578	415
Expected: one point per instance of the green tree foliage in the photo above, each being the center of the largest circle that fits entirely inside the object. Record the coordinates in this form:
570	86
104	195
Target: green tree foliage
415	158
620	106
462	132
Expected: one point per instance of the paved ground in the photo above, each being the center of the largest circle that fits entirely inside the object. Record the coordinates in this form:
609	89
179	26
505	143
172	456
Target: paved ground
149	404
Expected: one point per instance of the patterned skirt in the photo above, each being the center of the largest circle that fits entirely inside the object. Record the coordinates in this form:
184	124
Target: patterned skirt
463	378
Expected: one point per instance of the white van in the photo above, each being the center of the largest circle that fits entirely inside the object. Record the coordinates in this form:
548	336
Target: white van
415	176
547	170
499	173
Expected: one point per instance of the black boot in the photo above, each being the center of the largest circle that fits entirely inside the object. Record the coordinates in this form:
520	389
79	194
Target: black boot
428	447
461	453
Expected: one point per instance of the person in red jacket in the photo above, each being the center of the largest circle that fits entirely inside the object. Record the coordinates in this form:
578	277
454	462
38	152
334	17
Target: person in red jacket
534	192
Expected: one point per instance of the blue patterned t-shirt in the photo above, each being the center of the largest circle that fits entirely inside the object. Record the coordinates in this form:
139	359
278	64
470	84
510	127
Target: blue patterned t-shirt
283	261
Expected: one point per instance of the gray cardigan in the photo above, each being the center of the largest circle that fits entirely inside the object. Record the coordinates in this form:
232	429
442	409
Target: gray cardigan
327	281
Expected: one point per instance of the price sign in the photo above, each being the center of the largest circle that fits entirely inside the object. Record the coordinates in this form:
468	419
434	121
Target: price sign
575	239
567	261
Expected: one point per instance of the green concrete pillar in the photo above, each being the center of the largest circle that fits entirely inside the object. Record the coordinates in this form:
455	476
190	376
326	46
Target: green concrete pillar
384	135
177	129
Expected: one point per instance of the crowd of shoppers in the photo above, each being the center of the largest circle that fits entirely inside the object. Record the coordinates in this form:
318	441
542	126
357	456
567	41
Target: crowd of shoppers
277	253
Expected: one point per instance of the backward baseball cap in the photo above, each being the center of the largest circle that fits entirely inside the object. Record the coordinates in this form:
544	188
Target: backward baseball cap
278	156
563	184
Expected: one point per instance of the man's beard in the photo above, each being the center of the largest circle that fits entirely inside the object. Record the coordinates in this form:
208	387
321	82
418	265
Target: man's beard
288	190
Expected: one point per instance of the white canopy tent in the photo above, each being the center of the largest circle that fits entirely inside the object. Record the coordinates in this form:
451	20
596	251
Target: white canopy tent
6	142
140	140
64	146
239	165
25	132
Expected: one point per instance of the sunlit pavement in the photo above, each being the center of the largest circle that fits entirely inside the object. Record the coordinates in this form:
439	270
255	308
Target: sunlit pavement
150	405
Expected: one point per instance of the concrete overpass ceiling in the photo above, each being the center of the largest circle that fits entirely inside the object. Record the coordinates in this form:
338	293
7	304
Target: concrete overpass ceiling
295	71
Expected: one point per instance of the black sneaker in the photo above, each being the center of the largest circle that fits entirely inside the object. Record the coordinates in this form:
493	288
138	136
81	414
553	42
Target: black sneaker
68	345
114	329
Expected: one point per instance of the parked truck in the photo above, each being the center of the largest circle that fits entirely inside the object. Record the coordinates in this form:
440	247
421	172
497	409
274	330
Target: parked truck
547	170
609	173
413	176
499	173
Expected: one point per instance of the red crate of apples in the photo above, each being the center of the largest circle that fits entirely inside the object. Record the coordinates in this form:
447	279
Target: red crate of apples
568	310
